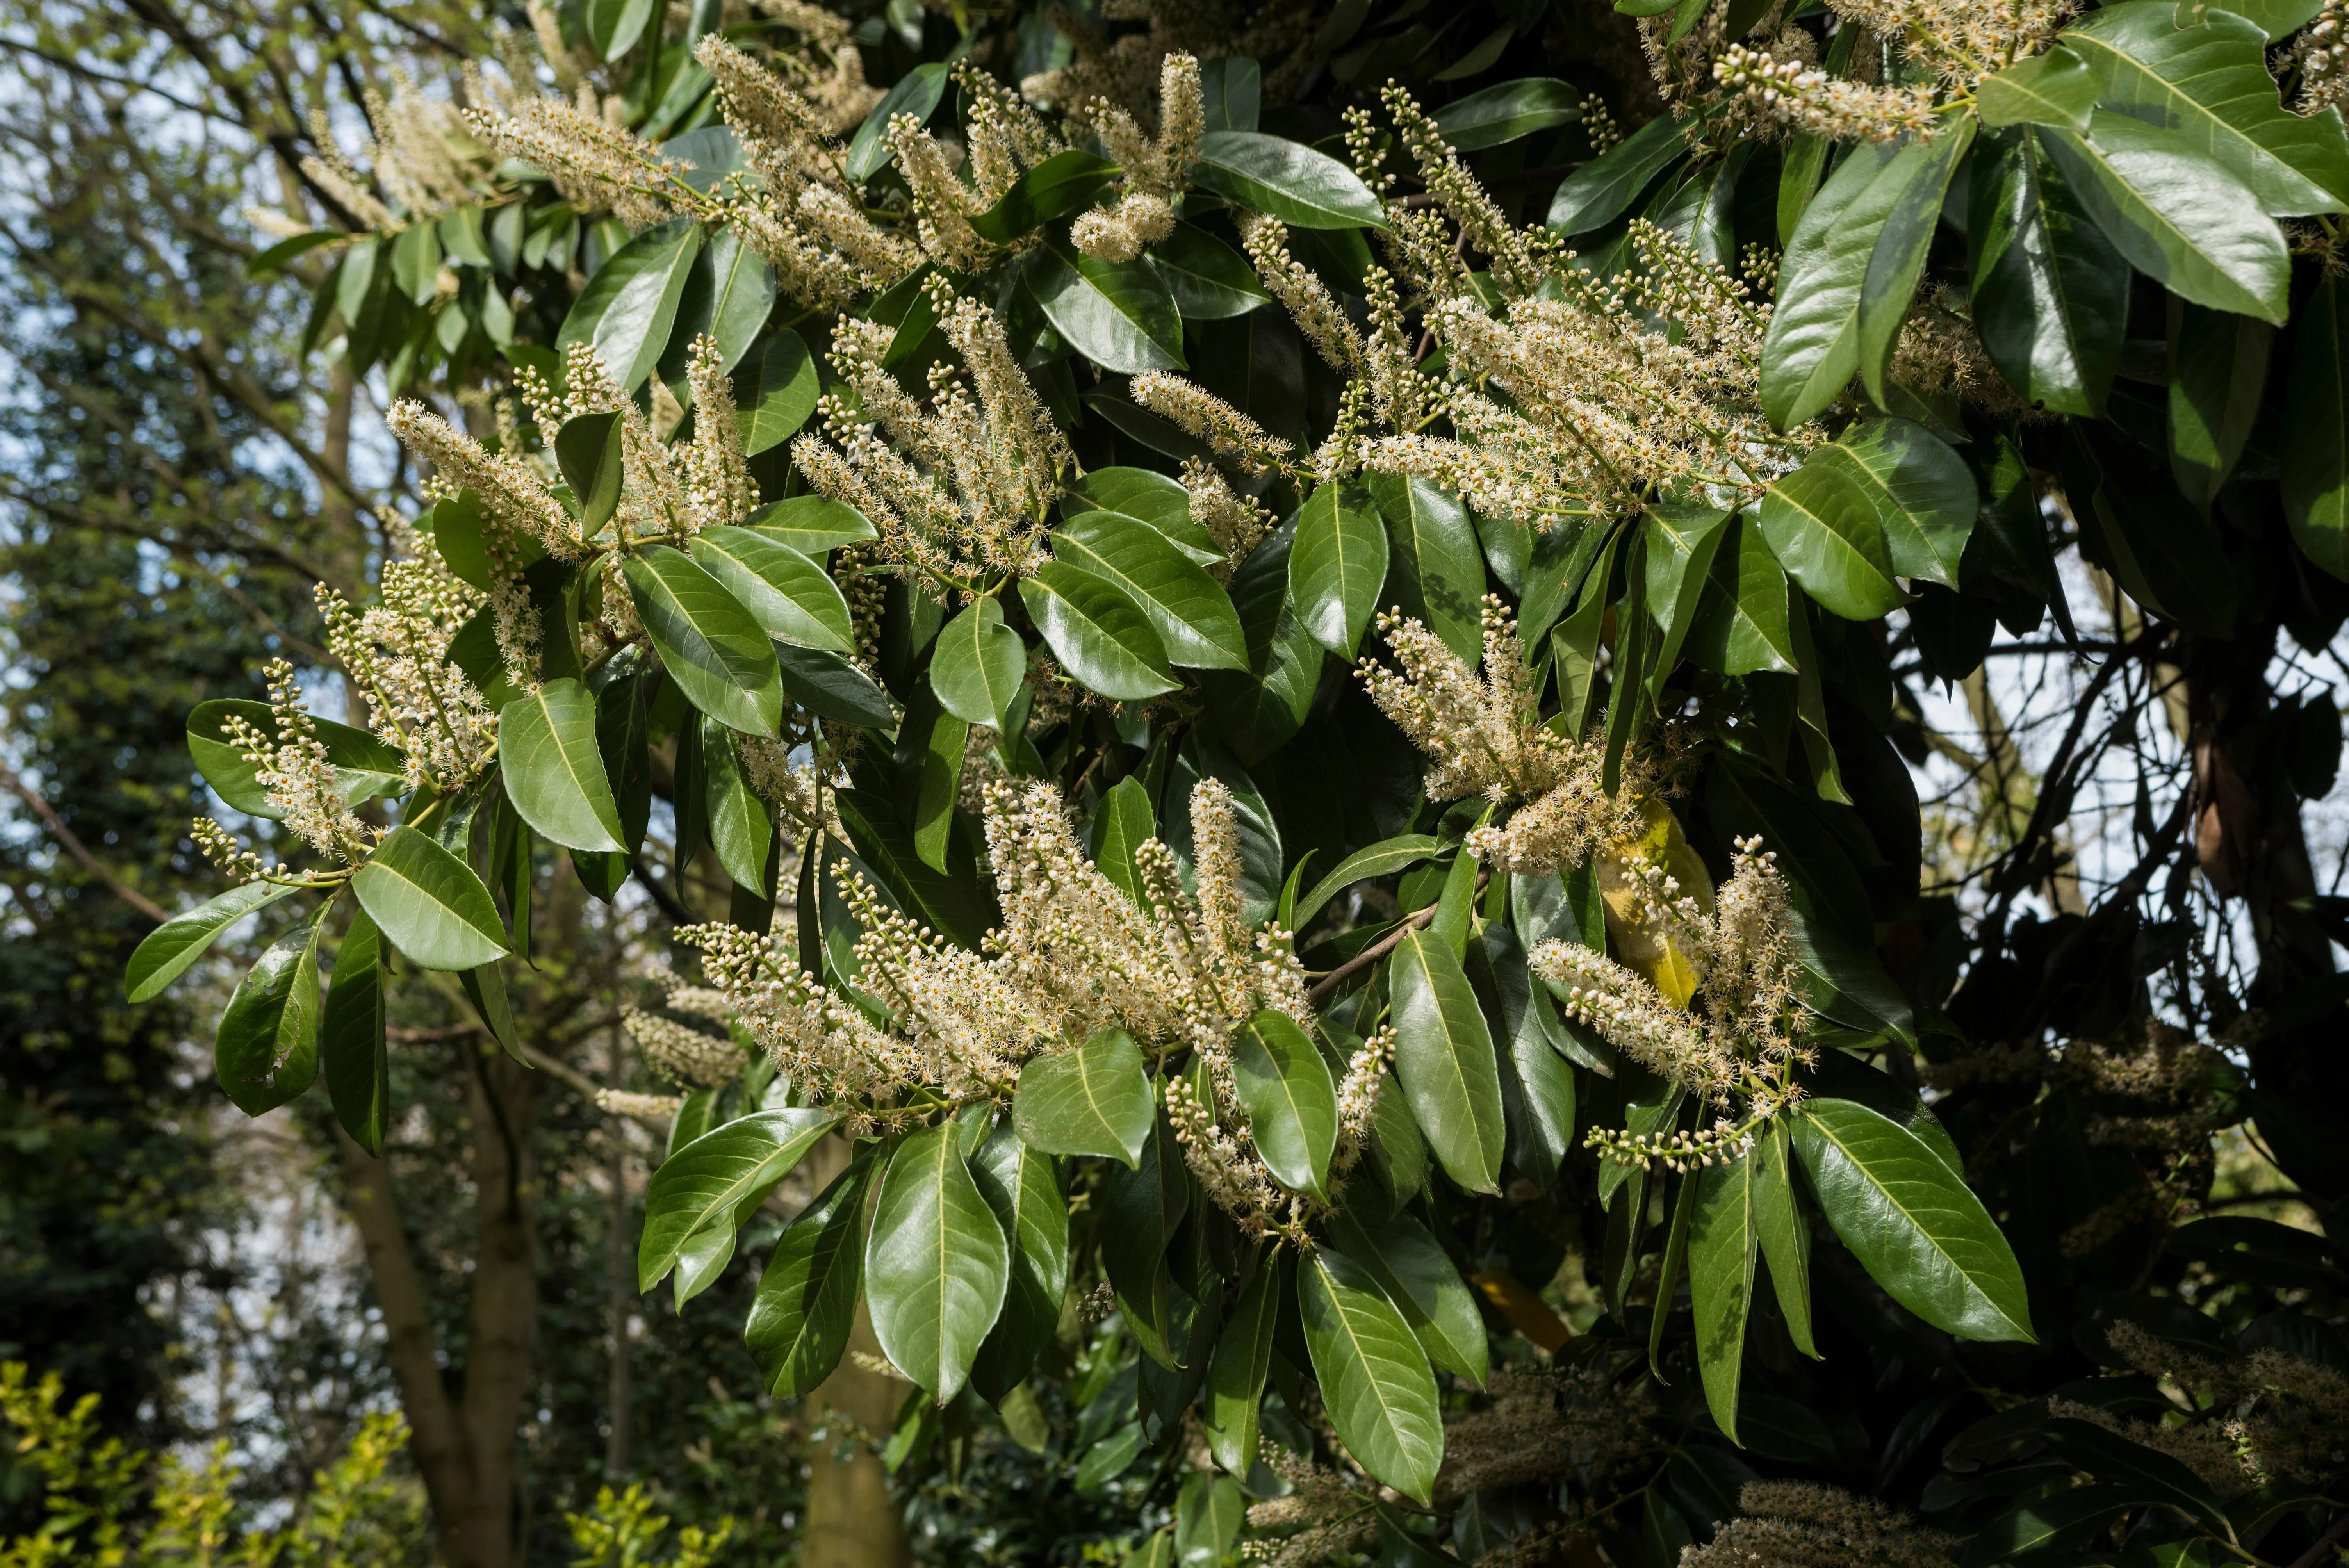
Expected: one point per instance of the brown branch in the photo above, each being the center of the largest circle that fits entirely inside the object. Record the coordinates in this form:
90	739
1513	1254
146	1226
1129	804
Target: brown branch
79	851
2324	1544
1371	954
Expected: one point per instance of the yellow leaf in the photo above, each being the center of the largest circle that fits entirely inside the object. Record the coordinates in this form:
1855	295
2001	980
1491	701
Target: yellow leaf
1640	941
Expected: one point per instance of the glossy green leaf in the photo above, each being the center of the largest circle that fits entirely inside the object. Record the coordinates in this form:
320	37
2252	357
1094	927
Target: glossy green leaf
710	644
553	773
1208	1513
1723	1235
365	768
811	524
589	451
1155	499
1336	565
805	1307
2180	218
1504	112
1784	1233
1122	825
1097	632
1023	1187
429	903
978	663
1290	1100
1813	346
2206	81
775	390
266	1049
1375	1380
1141	1208
1897	263
1603	189
826	685
937	1264
2057	88
351	1037
1825	529
169	950
1094	1100
1407	1262
1384	858
2218	377
789	596
1236	1375
1189	610
916	93
1925	496
741	830
1681	541
629	307
2316	432
1285	180
1209	280
1444	1061
1434	562
1068	181
728	297
1914	1226
1119	314
2050	291
715	1183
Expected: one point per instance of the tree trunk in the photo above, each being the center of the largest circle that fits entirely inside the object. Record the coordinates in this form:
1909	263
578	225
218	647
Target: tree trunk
851	1520
503	1317
619	1271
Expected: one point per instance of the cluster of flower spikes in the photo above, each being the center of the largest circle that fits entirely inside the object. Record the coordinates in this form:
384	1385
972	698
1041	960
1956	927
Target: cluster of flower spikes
1121	69
1741	1043
1002	138
396	652
1481	729
1801	1524
958	490
300	782
1154	168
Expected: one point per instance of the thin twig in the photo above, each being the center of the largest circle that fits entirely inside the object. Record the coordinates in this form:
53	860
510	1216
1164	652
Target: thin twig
1371	954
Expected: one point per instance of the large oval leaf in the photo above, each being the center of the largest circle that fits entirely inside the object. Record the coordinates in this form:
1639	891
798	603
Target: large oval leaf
1913	1225
1094	1100
1435	563
2208	83
716	1180
1375	1380
1813	345
1285	180
811	524
1291	1102
1209	280
789	596
805	1307
167	950
977	665
774	392
1097	632
1235	1373
1188	608
1603	189
2180	218
1421	1280
629	307
1925	496
429	903
351	1037
1119	314
710	645
1023	1187
1443	1059
741	830
365	768
1508	110
2050	291
936	1265
553	773
1336	565
1824	528
728	296
1722	1240
266	1049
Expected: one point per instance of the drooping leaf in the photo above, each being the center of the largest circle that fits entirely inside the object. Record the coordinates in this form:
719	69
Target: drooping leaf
553	773
1889	286
1023	1187
716	1180
429	903
977	665
1094	1100
1784	1233
1189	610
2179	216
937	1264
1444	1061
1814	342
1503	113
351	1043
1291	1101
827	686
1375	1380
1681	543
710	644
805	1307
1208	1513
789	596
265	1051
741	830
728	296
1403	1257
1235	1388
1097	632
1722	1240
1336	565
2050	291
169	950
1141	1208
1433	559
1285	180
2219	374
1382	859
1913	1225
